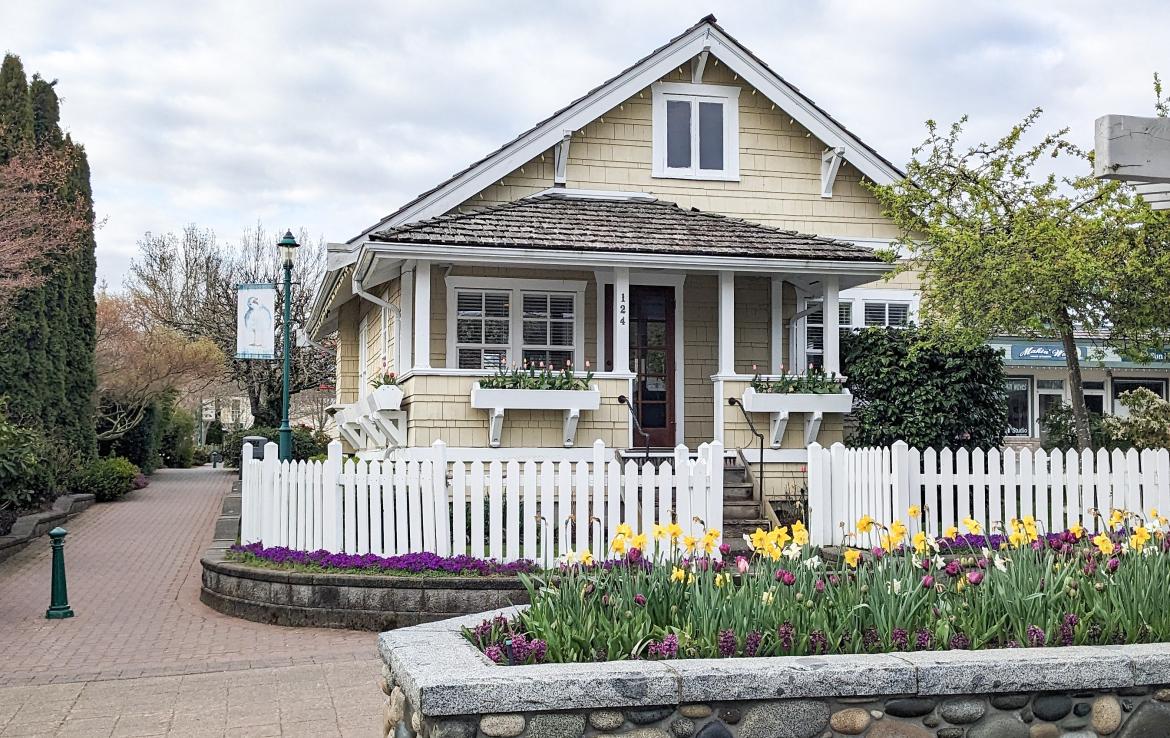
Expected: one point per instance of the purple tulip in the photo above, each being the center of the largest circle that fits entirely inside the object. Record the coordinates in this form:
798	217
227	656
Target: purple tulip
785	577
974	577
927	582
1112	564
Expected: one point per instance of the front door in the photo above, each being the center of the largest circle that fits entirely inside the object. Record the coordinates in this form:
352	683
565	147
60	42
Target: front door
652	360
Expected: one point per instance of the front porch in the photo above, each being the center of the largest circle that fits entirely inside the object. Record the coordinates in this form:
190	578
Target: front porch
697	311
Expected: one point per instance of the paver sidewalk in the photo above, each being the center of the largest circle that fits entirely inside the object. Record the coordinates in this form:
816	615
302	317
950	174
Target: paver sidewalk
134	577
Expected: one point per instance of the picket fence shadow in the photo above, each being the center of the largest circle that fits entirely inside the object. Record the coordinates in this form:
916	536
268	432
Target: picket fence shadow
504	510
1058	488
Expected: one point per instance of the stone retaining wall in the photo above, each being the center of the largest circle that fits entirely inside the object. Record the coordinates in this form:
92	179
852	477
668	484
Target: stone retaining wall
438	686
354	601
29	527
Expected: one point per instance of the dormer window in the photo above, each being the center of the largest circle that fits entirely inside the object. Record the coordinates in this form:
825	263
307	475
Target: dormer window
696	131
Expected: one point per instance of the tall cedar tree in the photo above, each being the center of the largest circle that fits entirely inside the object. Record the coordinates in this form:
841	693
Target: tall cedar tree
47	339
1006	249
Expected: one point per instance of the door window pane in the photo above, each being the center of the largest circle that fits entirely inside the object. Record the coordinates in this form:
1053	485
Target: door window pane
710	135
678	134
1019	401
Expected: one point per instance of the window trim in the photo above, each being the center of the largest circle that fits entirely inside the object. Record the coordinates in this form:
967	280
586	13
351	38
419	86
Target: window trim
363	374
726	95
1030	381
517	287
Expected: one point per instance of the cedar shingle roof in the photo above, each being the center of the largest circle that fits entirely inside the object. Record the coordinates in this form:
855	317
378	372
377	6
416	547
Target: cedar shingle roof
560	222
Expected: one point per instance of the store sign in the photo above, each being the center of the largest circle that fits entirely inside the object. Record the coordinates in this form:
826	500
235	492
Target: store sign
1044	351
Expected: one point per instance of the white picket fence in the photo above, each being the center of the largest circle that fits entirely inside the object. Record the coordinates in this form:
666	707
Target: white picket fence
505	510
1057	488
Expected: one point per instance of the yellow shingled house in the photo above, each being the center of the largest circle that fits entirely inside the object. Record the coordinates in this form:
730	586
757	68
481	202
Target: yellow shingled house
687	224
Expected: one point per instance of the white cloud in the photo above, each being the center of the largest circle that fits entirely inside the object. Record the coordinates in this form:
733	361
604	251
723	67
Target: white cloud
331	114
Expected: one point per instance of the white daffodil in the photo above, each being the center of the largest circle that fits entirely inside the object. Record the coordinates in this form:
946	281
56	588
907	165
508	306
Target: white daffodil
813	563
792	552
939	562
1000	562
894	586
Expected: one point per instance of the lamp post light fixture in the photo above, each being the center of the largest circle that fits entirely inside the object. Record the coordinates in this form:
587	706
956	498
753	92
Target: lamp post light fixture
288	248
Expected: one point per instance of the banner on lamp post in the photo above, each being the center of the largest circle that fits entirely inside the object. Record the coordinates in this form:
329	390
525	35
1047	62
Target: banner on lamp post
255	321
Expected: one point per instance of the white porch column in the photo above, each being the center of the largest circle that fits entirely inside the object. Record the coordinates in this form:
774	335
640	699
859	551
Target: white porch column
726	323
404	338
777	326
621	319
832	319
422	315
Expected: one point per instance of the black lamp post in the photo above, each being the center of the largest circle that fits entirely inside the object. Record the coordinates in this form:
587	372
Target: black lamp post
288	247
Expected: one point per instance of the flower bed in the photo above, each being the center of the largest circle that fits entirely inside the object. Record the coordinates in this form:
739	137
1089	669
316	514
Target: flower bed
912	593
416	564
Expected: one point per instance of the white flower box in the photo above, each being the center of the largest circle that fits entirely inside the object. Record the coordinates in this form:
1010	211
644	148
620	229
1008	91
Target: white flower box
386	397
498	401
780	405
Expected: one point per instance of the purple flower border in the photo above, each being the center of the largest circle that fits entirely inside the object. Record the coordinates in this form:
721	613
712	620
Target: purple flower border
411	563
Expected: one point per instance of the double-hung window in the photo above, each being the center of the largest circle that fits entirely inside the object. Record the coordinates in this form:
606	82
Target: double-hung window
502	322
814	330
887	314
696	131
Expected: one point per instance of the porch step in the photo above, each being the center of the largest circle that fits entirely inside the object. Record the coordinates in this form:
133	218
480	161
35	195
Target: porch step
737	511
735	530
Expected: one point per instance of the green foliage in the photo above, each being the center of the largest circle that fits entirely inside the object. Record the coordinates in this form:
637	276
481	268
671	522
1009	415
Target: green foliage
1148	424
1057	431
541	377
1004	248
200	455
214	435
26	480
107	479
907	386
49	330
815	381
141	443
177	446
307	443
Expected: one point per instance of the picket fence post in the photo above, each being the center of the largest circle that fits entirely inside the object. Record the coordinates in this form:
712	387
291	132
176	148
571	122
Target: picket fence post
900	479
331	499
442	509
249	487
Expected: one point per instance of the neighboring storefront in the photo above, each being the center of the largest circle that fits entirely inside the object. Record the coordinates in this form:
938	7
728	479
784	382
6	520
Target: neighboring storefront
1037	381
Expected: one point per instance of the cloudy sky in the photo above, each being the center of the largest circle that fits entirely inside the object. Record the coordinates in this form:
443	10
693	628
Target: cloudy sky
329	115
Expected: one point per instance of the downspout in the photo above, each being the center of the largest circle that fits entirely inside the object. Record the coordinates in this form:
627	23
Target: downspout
359	290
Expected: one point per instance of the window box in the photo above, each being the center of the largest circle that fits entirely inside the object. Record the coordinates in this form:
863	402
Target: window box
386	397
498	401
781	406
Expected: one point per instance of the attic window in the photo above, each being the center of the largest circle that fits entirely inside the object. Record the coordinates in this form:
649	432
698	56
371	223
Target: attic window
696	131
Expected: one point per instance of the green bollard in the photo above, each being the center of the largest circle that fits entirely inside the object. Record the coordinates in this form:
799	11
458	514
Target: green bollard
59	601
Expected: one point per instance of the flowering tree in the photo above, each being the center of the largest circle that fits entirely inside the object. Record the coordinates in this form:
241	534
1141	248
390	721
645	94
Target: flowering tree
1005	248
139	361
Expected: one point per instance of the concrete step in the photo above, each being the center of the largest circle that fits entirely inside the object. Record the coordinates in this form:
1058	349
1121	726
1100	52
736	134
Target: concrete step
747	510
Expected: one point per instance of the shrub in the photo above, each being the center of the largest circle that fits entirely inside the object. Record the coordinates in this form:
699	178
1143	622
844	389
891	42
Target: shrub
911	388
26	479
214	435
1148	424
1058	431
108	479
307	443
141	443
200	455
177	445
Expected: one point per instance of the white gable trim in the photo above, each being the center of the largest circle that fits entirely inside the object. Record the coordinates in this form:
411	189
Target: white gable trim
704	37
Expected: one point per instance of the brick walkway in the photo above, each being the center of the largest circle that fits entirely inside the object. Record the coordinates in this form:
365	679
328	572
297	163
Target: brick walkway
143	643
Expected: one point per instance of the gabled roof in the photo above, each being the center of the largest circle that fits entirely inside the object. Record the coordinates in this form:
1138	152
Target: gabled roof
707	34
559	222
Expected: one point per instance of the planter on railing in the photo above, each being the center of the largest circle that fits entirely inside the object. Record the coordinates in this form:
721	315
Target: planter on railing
497	401
780	405
376	420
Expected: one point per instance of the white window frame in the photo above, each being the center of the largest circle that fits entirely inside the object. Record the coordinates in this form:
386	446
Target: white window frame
516	315
886	313
726	95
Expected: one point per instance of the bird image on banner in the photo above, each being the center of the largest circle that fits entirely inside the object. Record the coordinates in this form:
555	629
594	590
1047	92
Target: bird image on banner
258	320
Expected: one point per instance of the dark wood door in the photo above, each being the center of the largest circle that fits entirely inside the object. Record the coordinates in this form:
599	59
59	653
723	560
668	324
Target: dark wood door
652	360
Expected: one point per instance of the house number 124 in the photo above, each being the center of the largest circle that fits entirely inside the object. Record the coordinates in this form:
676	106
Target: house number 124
622	309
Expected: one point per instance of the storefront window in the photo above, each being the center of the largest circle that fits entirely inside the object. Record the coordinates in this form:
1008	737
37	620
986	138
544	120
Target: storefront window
1019	401
1094	397
1121	386
1049	395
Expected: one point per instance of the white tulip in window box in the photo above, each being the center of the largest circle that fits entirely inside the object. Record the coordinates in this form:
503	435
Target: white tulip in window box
498	401
781	405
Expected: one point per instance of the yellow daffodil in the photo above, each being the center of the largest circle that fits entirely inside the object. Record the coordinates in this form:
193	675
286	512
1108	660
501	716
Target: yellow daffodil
919	541
897	532
766	597
852	557
1154	513
675	530
1140	538
689	543
1103	544
972	525
690	578
779	536
677	575
619	545
865	524
658	531
914	511
586	557
1076	530
709	544
799	534
639	542
1017	538
625	530
1115	518
720	580
952	532
758	540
